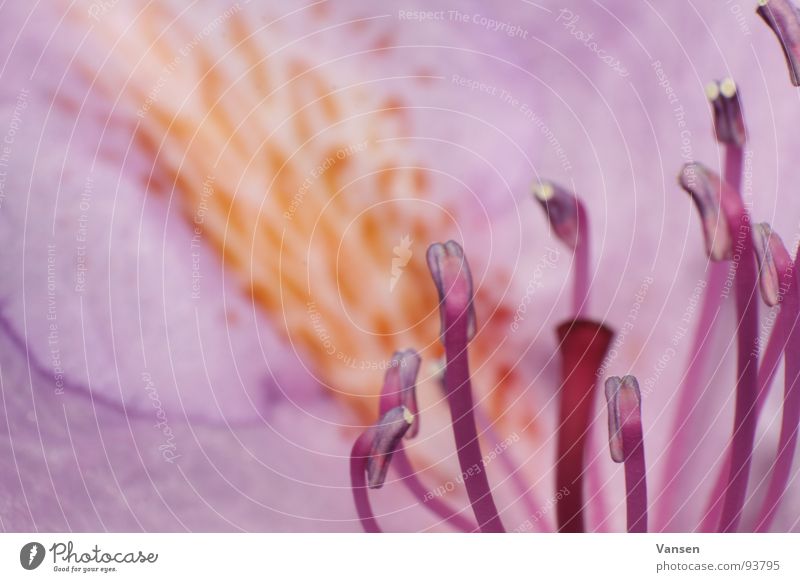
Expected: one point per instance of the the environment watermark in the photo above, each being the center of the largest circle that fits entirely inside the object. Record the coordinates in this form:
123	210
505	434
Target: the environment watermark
183	52
744	231
53	341
525	110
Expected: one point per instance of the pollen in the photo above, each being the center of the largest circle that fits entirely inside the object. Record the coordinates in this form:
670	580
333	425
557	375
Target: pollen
305	187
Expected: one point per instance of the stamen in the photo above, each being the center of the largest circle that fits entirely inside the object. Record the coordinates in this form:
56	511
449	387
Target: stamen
745	417
369	460
438	506
627	445
359	455
532	504
787	441
784	268
728	119
526	493
583	344
784	322
570	222
453	281
452	277
783	17
400	386
391	427
729	128
400	389
719	245
768	245
688	415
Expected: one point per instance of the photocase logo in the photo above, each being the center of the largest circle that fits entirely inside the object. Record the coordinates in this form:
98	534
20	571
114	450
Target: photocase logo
402	254
31	555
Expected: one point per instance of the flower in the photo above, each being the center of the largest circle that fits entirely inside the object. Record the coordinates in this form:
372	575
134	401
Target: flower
209	291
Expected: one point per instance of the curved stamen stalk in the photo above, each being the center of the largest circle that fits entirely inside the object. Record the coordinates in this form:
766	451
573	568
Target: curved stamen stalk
524	492
787	441
400	389
438	506
370	457
451	275
627	445
570	222
783	17
677	457
701	182
775	269
731	133
529	498
359	455
583	345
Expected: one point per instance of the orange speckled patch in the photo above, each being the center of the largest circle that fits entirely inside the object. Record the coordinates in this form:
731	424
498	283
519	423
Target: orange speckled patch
311	191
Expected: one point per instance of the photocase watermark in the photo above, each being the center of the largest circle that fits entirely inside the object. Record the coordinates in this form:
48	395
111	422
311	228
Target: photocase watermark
475	469
197	234
626	328
183	52
82	234
8	140
168	448
547	261
490	24
569	20
402	254
527	525
68	559
319	171
53	342
100	8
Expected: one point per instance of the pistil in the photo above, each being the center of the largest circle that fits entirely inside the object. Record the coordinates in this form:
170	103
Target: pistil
583	345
